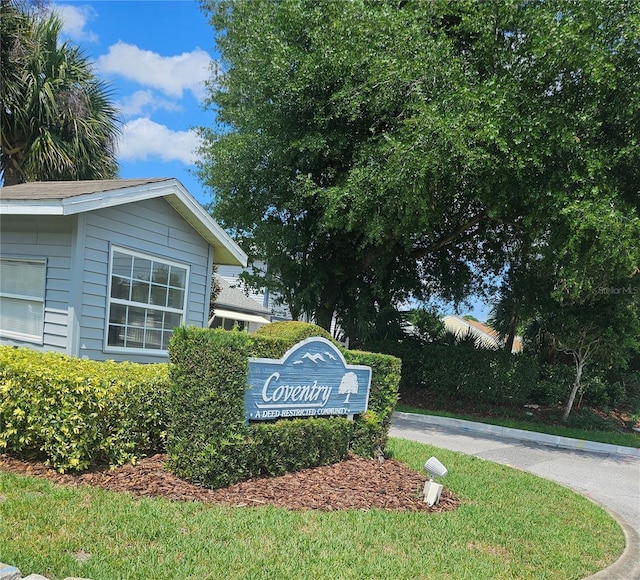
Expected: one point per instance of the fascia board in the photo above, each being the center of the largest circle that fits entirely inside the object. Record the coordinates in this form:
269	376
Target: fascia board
115	197
89	201
226	251
31	208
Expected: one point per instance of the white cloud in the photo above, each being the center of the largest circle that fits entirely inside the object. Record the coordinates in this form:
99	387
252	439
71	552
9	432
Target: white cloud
144	102
170	74
143	139
74	21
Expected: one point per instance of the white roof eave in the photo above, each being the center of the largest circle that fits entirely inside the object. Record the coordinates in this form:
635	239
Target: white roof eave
226	251
233	315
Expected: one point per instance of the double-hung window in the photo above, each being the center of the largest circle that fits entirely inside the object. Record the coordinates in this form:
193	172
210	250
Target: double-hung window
147	300
22	287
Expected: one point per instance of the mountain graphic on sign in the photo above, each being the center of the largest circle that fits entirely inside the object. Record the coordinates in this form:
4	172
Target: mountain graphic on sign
314	358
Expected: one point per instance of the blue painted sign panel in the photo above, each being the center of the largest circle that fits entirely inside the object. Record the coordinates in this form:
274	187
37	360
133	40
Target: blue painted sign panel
312	379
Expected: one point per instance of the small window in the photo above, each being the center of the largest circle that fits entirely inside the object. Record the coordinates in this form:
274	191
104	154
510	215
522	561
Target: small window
22	287
147	300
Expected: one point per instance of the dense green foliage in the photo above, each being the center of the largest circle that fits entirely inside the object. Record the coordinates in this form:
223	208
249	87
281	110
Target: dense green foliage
493	377
57	121
209	441
373	150
285	446
75	412
372	427
489	376
207	435
293	331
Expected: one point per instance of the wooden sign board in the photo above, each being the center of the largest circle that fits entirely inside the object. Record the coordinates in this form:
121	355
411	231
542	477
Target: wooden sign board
312	379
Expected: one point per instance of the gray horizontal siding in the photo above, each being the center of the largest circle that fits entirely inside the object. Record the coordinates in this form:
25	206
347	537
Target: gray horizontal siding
150	227
44	237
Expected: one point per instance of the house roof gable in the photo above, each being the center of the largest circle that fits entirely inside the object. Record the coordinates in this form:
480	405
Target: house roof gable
233	298
73	197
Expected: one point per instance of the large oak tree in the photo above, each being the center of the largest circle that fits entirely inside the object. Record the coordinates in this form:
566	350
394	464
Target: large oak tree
374	150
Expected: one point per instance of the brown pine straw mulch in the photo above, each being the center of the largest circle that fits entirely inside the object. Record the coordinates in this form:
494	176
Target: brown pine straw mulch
355	483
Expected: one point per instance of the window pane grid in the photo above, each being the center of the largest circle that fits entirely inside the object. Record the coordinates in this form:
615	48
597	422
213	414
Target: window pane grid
22	289
146	301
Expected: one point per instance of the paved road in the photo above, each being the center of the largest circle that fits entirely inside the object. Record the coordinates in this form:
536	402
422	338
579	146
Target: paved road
609	479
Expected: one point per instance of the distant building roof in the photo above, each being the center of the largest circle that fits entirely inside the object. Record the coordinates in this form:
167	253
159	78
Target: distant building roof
484	335
233	298
232	303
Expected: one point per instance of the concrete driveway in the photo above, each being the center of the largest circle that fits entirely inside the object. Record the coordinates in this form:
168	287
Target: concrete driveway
608	475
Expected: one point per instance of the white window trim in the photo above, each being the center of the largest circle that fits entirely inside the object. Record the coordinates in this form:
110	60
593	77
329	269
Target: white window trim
108	348
32	338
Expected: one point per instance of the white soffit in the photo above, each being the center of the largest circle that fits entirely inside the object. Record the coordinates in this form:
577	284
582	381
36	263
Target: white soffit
233	315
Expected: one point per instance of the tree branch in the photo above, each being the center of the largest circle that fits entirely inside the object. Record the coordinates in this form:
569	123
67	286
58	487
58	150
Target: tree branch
446	240
418	253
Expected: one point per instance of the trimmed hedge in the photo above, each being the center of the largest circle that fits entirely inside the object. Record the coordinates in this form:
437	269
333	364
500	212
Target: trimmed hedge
293	331
492	376
207	435
371	428
77	412
209	441
291	445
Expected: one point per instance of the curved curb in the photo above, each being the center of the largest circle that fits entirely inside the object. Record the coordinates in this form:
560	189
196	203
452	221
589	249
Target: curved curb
522	435
627	566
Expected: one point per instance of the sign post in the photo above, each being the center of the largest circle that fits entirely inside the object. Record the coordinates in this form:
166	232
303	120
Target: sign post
312	379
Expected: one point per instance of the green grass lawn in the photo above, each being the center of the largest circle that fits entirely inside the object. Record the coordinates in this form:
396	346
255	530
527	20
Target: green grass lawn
511	525
612	437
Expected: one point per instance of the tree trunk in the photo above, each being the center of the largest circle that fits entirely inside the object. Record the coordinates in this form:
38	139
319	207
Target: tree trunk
513	326
580	361
324	317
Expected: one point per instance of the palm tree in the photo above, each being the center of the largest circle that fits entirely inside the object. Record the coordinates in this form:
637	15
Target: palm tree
56	118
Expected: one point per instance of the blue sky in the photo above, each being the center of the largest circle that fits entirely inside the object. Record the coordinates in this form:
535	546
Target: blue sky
156	55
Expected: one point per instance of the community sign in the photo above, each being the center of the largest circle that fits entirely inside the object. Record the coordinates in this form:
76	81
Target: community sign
312	379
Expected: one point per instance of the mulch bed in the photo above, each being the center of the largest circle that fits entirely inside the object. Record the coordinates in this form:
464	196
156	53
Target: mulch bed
355	483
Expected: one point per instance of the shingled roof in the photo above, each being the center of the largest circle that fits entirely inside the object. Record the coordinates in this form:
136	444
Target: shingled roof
59	190
75	197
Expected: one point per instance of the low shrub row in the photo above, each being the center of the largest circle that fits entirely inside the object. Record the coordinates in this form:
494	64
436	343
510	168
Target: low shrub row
75	412
291	445
209	441
496	377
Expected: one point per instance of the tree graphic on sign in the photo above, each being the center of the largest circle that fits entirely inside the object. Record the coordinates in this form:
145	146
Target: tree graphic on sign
348	385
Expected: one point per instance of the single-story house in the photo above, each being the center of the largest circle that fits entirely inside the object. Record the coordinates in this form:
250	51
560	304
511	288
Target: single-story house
485	336
232	307
106	269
